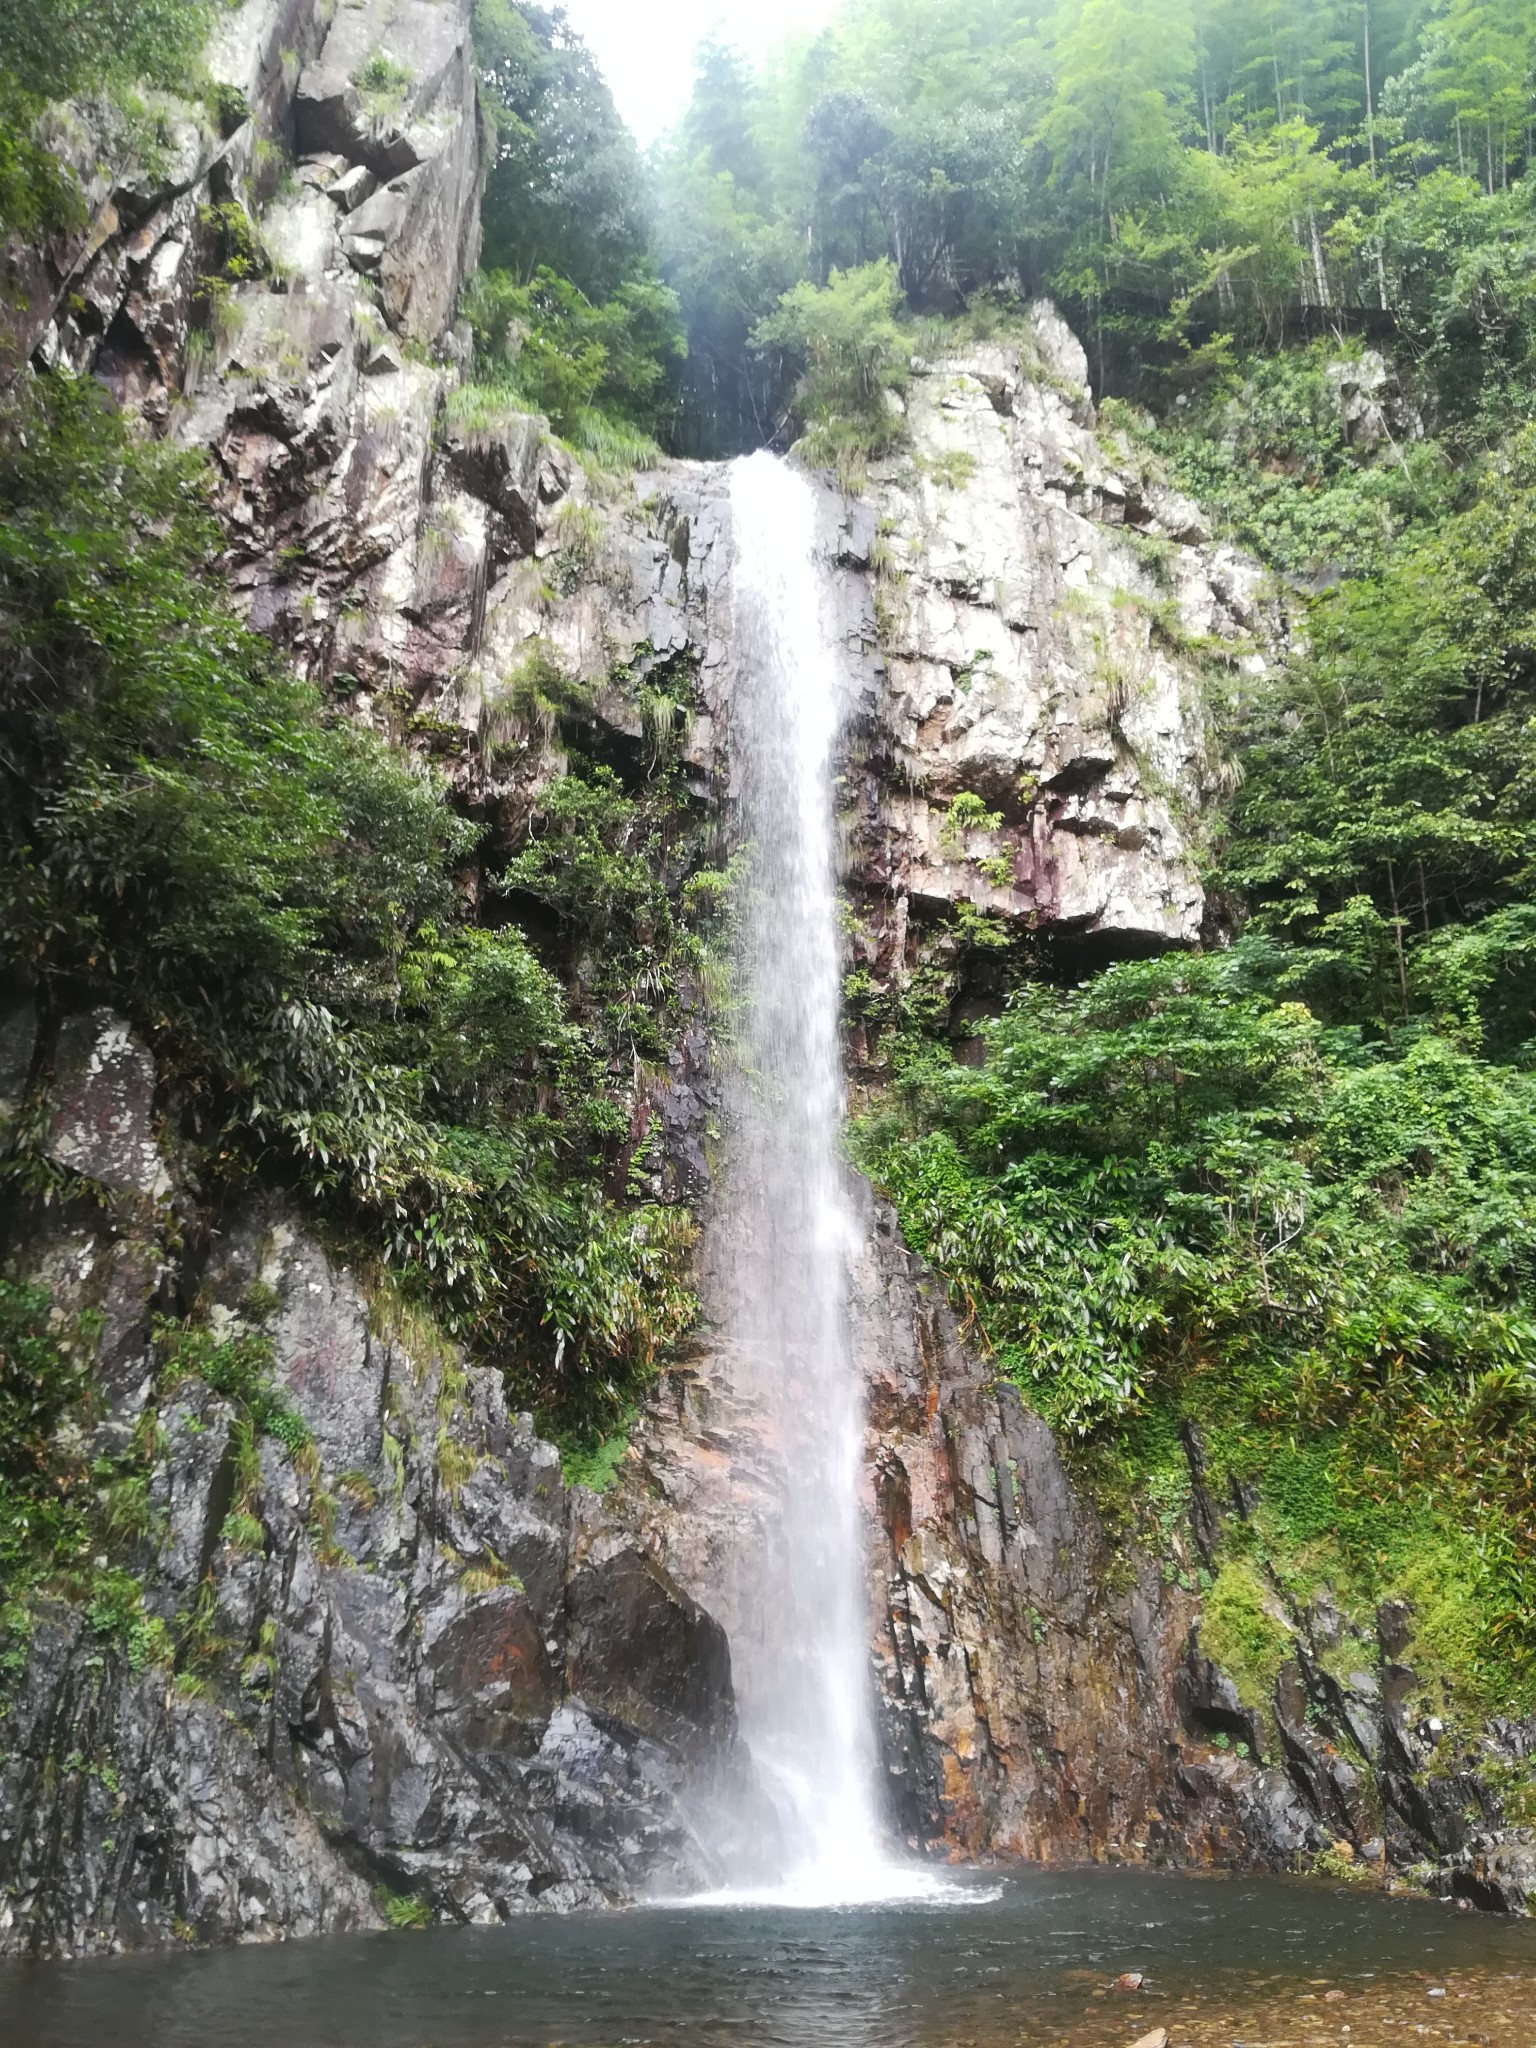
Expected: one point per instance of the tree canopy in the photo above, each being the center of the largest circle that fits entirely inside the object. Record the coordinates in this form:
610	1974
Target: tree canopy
1177	171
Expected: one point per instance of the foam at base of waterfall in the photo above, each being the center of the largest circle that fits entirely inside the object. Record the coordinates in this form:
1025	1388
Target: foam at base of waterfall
821	1891
852	1882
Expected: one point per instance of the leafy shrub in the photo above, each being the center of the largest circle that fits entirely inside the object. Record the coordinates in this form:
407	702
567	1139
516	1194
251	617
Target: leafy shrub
43	1373
1174	1188
52	48
1387	818
1266	450
852	357
238	1367
597	371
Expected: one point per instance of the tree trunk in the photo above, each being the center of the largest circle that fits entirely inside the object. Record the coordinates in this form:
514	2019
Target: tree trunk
1370	102
1397	933
1318	265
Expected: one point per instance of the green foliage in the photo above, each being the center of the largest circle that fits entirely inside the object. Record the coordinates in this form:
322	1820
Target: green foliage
1189	177
539	693
954	471
592	858
1265	449
36	191
115	1611
852	356
54	48
238	1367
43	1373
598	372
64	1525
383	82
595	1464
403	1909
1175	1187
1386	820
272	899
564	189
570	318
967	812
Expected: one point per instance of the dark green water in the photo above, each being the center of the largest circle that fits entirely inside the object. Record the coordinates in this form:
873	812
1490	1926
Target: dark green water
1029	1962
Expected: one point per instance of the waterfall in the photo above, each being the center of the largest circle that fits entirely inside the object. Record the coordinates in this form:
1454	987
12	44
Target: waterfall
802	1670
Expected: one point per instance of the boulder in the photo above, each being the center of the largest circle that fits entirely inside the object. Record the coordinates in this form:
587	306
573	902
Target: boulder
500	465
643	1650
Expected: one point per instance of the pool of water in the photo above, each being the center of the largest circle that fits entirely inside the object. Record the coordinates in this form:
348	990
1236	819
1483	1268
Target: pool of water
1033	1958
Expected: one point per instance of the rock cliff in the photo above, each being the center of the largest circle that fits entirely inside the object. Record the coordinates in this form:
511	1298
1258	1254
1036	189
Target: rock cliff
430	1676
396	1672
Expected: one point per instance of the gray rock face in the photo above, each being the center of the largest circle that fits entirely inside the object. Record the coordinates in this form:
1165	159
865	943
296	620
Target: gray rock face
1375	412
411	1669
500	466
133	1815
1049	615
104	1099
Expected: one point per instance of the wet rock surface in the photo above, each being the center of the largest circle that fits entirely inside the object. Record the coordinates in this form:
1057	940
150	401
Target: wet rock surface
1041	1689
1026	1676
393	1668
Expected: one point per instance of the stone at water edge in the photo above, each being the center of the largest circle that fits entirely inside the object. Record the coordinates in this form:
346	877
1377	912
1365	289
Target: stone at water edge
1158	2038
1129	1980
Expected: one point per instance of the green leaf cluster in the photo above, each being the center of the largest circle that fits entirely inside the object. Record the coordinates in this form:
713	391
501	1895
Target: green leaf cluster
852	357
62	49
1387	818
599	372
569	316
44	1369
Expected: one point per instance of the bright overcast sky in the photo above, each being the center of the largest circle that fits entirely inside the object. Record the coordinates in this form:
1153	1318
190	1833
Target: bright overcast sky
646	46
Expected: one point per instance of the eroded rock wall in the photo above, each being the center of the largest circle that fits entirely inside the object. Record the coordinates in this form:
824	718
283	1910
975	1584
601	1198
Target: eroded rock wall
1056	628
398	1660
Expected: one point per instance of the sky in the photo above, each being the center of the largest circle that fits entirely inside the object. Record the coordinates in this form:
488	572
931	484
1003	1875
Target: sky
646	47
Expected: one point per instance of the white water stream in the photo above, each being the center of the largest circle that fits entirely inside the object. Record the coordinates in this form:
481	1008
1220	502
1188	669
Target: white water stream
802	1671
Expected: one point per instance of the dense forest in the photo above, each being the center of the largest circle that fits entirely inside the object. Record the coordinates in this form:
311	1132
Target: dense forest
1285	1186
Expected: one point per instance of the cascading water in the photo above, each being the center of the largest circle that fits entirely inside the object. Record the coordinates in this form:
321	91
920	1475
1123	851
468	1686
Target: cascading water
802	1668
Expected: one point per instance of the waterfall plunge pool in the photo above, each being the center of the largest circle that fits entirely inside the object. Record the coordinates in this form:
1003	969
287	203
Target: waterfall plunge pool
1029	1958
